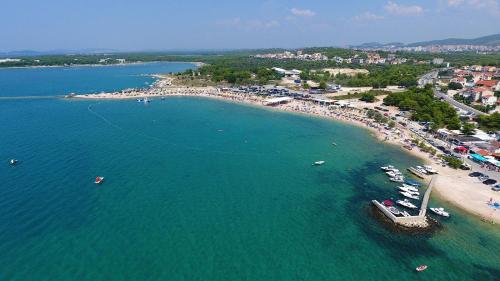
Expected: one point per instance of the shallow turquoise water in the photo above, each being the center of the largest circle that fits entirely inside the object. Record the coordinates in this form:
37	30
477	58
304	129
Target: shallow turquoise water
199	189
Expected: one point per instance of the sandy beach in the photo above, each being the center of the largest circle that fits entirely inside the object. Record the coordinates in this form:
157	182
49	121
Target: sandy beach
453	186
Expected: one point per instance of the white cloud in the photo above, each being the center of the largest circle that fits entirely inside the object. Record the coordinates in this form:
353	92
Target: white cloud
454	3
398	9
253	24
302	13
367	16
490	6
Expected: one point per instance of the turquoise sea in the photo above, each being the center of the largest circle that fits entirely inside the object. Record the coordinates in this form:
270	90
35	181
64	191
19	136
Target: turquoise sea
197	189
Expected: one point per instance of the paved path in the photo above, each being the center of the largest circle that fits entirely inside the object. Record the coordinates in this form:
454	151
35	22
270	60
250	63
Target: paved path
427	196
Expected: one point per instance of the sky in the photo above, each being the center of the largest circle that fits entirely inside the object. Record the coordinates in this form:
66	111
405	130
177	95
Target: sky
127	25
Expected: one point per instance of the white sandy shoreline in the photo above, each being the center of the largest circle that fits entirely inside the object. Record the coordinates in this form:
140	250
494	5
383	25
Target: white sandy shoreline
453	186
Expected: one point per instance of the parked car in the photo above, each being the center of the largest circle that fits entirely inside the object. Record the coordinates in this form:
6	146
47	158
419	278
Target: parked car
483	177
475	174
465	166
496	187
489	181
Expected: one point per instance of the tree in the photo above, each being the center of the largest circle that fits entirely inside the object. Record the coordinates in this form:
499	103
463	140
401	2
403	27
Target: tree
368	97
454	86
391	124
468	129
323	85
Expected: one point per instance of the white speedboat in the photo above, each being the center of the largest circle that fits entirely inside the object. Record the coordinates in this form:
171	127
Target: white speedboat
440	212
409	195
430	170
396	179
406	203
416	193
394	210
405	214
13	162
394	173
421	169
387	168
318	163
409	187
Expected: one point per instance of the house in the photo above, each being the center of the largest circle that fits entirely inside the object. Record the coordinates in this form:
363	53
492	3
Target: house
461	80
487	83
488	99
438	61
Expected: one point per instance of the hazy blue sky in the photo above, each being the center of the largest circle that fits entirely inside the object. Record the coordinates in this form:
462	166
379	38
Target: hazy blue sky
194	24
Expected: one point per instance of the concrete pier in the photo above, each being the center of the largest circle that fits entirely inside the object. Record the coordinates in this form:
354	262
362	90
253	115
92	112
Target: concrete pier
413	221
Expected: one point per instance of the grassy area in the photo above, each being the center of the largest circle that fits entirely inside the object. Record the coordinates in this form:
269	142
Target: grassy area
359	95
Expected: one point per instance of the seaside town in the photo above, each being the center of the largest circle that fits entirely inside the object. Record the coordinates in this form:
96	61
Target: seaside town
472	85
365	58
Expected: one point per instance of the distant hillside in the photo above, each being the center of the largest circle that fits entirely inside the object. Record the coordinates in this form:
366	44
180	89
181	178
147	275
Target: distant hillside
31	53
489	40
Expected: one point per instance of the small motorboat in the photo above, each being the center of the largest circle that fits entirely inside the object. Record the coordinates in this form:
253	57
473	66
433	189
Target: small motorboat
421	170
388	203
396	179
409	195
394	173
405	214
394	210
430	170
318	163
334	144
416	193
421	268
387	168
99	180
409	187
406	203
440	212
412	183
13	162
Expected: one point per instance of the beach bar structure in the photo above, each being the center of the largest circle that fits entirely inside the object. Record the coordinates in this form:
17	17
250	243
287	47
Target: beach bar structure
323	101
276	101
412	221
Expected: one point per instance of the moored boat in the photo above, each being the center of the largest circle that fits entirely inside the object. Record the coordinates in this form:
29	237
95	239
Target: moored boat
387	168
440	212
318	163
409	195
415	193
394	210
430	170
396	179
406	203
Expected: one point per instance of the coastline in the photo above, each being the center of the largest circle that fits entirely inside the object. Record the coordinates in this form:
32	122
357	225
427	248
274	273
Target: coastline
197	64
452	186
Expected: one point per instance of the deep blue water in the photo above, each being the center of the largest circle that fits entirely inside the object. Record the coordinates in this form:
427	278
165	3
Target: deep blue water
53	81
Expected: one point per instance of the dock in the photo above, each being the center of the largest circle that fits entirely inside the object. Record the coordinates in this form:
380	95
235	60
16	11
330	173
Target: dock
412	221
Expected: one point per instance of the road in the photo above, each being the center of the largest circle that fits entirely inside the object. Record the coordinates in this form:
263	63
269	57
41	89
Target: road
455	103
430	78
